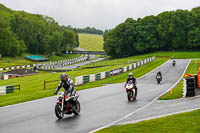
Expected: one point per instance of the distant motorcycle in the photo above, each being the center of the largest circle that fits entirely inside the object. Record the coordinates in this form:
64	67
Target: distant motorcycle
158	78
173	63
131	92
67	104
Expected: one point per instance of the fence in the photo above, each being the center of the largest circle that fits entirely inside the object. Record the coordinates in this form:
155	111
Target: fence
51	83
94	77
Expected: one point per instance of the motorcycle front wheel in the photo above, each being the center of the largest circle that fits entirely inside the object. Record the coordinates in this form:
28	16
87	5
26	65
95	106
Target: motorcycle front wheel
77	108
59	113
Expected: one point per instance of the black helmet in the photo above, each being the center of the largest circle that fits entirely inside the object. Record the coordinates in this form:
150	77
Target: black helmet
62	76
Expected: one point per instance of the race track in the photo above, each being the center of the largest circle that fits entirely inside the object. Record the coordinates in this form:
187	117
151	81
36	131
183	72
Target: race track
99	106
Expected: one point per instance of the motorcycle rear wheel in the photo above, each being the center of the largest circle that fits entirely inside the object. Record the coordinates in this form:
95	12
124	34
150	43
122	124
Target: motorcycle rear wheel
130	96
58	112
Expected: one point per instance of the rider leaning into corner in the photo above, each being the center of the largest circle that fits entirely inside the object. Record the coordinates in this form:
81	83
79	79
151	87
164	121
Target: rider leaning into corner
131	79
66	83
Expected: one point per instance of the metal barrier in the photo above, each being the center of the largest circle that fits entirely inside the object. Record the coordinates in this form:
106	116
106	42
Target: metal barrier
8	89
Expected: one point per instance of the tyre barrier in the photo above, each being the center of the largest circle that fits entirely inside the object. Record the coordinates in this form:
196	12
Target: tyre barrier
196	80
94	77
190	86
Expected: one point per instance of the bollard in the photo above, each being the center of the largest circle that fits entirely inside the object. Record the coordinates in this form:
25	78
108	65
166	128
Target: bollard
171	91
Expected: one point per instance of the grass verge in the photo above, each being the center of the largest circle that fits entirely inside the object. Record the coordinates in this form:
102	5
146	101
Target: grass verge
180	123
178	54
178	90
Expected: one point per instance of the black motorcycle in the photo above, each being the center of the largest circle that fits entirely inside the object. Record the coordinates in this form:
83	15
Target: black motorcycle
67	104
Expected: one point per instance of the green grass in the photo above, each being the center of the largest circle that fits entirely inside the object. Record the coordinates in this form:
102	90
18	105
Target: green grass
91	42
178	54
178	90
19	61
32	86
179	123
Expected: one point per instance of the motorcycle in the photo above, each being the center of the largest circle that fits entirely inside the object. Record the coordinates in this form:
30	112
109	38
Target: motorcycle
159	78
174	63
67	104
131	92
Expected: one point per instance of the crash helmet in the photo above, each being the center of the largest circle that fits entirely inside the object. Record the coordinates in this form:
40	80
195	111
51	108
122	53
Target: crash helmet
62	76
130	74
159	72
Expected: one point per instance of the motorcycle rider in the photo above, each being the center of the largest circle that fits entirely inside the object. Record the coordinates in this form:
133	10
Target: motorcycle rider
131	79
159	74
174	62
66	83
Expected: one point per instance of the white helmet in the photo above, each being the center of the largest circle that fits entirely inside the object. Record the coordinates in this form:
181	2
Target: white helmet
130	74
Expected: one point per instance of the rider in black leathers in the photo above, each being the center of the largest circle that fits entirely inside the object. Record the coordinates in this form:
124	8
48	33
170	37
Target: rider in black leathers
159	74
66	83
131	79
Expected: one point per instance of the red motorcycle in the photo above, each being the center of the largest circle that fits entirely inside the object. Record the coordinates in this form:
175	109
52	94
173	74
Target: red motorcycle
131	92
67	104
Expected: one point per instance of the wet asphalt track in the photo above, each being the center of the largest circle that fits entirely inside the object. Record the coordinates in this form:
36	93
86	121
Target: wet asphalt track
99	106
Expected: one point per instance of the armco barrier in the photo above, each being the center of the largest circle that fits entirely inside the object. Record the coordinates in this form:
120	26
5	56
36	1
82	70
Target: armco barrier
97	76
48	63
103	75
86	79
93	77
107	74
8	89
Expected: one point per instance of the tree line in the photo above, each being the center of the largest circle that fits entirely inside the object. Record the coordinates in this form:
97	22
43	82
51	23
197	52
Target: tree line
88	30
33	33
169	30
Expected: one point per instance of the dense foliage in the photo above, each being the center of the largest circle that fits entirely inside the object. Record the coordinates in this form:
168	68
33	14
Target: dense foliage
170	30
24	32
88	30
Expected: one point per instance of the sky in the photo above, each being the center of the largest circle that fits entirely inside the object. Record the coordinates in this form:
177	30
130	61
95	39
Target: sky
101	14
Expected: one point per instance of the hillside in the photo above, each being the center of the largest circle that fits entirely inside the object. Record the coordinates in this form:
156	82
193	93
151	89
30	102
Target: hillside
91	42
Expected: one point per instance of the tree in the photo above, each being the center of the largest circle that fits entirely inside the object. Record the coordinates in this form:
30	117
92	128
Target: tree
147	35
119	42
9	45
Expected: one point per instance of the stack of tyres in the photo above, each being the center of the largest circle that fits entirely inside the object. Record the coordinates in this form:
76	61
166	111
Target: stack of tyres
190	82
196	81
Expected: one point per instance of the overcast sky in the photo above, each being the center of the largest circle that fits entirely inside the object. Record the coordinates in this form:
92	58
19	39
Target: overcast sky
101	14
